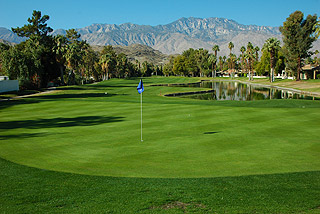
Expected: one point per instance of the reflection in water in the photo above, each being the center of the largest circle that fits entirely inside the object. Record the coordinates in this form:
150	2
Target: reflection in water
225	90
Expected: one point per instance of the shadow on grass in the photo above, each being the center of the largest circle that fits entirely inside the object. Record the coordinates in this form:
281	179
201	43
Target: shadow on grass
53	97
74	95
210	132
59	122
114	86
22	136
56	96
69	88
100	85
10	103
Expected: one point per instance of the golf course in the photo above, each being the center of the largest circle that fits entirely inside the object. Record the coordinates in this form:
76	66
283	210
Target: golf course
79	149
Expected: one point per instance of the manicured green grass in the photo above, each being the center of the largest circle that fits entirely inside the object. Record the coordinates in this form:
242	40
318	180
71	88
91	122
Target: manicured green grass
30	190
190	148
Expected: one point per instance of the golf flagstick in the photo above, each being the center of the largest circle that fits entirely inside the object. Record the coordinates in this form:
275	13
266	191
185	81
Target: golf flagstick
141	116
140	89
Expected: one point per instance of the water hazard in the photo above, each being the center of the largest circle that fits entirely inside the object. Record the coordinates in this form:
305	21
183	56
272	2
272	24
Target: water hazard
229	90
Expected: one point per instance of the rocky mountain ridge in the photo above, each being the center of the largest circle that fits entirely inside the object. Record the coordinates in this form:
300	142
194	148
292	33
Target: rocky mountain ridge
175	37
9	36
180	35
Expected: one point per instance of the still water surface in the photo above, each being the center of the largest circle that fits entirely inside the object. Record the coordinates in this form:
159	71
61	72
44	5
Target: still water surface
228	90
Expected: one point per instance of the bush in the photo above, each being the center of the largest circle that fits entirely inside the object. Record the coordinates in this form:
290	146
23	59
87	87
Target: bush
318	76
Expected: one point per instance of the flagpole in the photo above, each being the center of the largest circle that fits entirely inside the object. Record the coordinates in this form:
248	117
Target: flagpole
140	89
141	117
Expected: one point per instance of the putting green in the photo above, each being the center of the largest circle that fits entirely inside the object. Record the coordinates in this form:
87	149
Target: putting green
88	131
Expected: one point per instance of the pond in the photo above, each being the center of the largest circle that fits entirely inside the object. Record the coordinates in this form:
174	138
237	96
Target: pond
230	90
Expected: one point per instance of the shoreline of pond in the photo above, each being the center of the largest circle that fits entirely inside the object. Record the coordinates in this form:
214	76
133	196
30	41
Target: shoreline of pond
297	91
308	93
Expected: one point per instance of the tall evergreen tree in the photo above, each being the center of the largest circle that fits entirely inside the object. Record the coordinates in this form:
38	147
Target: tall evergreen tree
298	36
317	28
36	52
72	35
37	26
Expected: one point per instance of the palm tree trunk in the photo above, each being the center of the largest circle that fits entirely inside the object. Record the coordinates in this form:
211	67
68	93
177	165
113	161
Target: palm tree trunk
107	72
212	71
271	66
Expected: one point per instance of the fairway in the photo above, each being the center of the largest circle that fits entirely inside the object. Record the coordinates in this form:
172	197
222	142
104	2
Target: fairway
95	130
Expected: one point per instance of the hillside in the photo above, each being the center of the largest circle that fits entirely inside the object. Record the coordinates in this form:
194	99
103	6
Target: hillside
139	52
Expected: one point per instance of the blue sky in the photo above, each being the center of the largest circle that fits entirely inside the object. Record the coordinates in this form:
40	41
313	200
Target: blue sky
68	14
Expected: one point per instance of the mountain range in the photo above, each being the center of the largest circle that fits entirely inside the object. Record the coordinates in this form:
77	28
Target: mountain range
175	37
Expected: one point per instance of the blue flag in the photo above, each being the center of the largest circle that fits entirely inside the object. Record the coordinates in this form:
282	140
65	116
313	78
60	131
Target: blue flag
140	87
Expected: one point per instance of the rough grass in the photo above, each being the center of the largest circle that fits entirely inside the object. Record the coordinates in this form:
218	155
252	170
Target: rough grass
269	148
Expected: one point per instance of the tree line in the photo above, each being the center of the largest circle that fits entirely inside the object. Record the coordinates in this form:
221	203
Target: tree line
45	58
298	36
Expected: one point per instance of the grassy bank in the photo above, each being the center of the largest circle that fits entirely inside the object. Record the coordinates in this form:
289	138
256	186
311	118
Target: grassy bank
245	156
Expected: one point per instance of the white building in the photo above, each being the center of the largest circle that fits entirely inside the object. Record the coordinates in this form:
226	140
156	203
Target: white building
8	85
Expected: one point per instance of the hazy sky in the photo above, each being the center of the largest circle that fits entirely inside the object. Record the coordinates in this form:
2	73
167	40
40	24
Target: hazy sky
68	14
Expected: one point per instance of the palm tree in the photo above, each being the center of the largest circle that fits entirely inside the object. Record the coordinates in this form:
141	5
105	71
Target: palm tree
231	46
212	60
249	57
272	45
256	50
72	60
242	50
75	51
224	62
221	63
89	59
233	60
215	49
122	63
60	49
105	62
